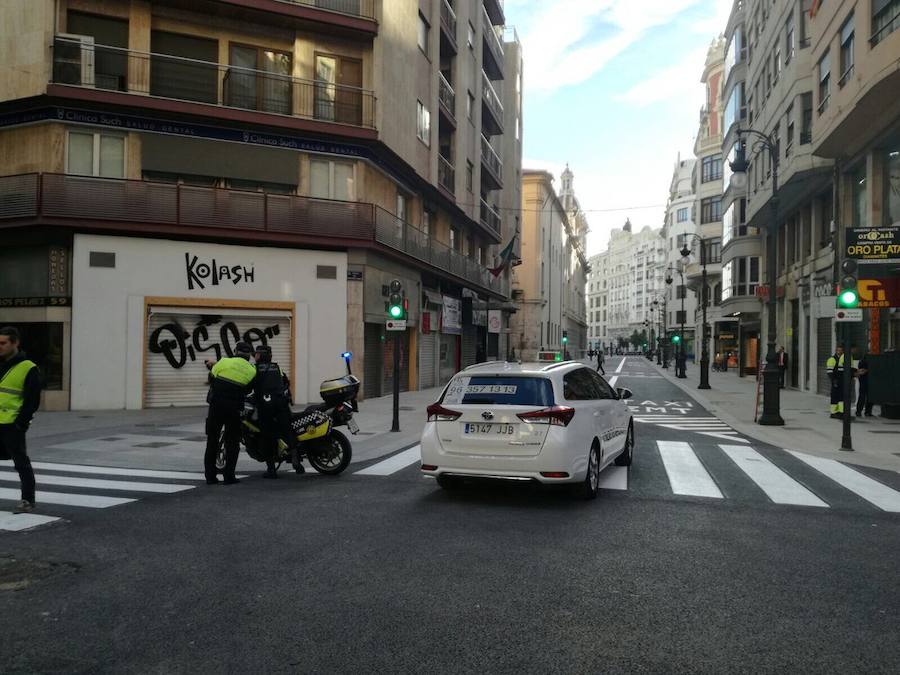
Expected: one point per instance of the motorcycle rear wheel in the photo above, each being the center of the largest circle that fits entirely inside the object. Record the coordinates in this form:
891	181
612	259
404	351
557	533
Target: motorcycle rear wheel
332	455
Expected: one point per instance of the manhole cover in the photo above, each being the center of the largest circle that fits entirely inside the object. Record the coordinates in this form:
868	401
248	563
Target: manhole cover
157	444
17	574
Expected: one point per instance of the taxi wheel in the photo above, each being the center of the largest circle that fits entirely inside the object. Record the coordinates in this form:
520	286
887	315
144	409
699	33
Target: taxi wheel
627	454
591	485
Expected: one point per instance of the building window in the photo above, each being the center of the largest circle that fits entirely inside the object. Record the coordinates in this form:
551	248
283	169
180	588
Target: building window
860	197
807	118
427	217
470	173
259	79
470	36
423	33
680	292
712	168
824	81
892	187
332	180
789	39
789	121
776	63
740	277
885	19
710	210
847	42
470	104
95	154
681	317
423	123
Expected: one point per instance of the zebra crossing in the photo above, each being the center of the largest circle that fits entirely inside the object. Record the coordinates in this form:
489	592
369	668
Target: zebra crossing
84	487
687	474
707	426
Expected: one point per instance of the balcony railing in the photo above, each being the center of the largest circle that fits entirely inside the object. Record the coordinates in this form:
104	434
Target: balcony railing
492	40
174	77
492	101
363	8
448	22
446	175
491	160
400	235
495	11
60	198
490	217
447	97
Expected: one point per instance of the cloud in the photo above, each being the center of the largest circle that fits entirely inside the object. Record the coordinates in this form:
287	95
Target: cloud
669	83
568	41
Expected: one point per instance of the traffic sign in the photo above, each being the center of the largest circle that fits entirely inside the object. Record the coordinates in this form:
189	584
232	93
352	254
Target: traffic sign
848	315
396	324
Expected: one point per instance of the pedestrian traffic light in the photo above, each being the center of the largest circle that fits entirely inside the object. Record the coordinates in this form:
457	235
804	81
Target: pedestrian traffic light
565	337
396	307
848	295
676	339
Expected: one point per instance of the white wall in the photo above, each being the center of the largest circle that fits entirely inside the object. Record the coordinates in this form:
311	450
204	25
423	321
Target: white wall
108	341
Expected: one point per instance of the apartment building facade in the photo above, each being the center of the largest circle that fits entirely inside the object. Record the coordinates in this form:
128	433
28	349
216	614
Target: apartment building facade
176	178
679	231
598	302
549	284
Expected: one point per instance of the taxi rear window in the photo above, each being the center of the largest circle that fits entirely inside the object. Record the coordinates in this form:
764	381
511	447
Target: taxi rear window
500	390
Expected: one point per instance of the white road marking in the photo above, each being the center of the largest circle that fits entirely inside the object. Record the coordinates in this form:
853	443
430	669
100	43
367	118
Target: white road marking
621	363
16	522
725	435
614	478
612	381
781	488
100	484
686	473
885	498
393	464
66	499
113	471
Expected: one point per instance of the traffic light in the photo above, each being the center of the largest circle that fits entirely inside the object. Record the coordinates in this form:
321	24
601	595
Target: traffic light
848	295
396	306
676	339
565	337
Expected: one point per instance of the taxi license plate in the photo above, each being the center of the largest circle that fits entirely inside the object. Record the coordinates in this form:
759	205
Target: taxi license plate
472	428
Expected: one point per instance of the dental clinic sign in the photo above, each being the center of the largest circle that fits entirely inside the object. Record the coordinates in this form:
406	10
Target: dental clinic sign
203	272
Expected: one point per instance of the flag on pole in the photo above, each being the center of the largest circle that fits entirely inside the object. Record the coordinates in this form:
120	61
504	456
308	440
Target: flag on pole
506	256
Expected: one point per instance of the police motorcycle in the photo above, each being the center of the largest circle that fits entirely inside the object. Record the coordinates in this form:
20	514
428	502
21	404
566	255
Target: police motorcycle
315	428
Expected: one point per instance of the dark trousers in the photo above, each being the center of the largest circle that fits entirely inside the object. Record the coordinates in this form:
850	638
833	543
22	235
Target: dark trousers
275	424
12	441
782	371
600	368
219	418
862	403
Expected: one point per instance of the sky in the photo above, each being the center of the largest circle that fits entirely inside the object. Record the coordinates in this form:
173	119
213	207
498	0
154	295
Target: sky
612	88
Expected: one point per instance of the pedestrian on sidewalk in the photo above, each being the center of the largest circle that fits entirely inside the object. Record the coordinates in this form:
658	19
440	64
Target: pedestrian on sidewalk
782	365
862	374
20	397
600	360
835	367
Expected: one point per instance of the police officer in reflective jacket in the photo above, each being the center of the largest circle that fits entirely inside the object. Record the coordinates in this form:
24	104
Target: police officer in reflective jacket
272	392
230	380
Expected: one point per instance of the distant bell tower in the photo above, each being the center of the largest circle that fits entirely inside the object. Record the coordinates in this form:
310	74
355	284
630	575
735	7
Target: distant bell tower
567	193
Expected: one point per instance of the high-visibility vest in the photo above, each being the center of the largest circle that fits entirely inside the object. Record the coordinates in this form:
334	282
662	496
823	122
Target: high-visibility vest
234	369
835	366
12	388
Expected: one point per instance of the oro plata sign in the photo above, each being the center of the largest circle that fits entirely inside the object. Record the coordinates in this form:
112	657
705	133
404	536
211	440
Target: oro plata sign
873	244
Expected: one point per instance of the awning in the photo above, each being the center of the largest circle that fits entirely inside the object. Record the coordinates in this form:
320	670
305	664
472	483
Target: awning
433	297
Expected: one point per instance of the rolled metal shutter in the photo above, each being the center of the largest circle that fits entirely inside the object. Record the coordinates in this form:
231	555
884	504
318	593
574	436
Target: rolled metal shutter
387	365
180	339
824	349
469	345
372	360
427	359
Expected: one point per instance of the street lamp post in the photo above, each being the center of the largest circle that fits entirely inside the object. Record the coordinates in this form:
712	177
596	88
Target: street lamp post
704	301
658	333
680	354
771	414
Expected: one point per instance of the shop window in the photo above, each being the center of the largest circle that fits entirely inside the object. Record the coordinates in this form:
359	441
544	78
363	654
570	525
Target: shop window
42	342
332	180
24	272
860	196
95	154
892	188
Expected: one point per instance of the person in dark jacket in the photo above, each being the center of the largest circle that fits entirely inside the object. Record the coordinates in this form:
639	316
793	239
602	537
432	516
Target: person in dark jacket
272	391
20	397
230	380
600	361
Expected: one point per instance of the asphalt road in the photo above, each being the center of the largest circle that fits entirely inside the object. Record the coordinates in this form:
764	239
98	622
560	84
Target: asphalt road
387	573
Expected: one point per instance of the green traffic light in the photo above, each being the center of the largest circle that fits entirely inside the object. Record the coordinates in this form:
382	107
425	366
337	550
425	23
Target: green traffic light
396	311
848	298
676	339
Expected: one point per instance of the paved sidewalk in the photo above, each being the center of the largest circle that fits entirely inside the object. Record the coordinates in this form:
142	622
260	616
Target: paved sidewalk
173	438
807	425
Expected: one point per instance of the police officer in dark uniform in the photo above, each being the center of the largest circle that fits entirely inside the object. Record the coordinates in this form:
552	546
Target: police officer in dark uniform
272	392
230	380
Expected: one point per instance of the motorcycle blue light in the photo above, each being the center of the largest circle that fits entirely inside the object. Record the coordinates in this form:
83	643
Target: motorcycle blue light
346	355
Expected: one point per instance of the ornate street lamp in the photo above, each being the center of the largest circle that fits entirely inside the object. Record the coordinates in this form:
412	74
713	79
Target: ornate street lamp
704	302
658	333
680	353
771	414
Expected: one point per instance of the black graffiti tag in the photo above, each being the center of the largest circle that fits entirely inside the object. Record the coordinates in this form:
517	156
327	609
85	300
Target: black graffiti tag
178	345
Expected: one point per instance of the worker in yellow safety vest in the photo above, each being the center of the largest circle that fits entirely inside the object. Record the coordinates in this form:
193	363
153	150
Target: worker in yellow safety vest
20	396
835	367
230	380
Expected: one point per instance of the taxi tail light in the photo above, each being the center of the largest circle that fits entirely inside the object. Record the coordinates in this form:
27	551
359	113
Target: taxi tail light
554	474
438	413
559	415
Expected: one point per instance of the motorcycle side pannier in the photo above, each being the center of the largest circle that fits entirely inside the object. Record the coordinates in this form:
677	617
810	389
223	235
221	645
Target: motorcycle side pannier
339	390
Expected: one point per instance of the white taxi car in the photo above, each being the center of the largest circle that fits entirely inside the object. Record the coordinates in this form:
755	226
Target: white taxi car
552	423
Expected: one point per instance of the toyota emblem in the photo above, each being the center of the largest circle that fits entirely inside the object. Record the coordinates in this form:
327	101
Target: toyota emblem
488	415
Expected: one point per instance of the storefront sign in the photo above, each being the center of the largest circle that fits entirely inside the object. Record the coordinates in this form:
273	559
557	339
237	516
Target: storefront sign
451	317
879	292
200	272
874	244
875	331
36	302
494	320
354	275
58	271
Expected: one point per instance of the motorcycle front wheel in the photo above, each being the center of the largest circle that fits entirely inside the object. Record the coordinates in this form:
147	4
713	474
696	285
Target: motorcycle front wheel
331	455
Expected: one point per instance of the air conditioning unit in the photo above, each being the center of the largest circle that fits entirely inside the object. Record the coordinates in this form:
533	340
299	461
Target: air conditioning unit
73	60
